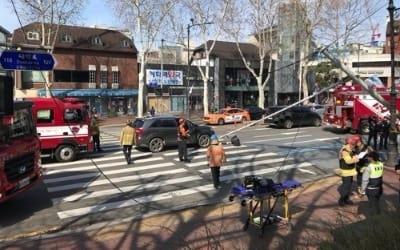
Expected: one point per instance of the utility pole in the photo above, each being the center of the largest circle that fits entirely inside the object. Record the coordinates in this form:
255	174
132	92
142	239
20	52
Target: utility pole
392	145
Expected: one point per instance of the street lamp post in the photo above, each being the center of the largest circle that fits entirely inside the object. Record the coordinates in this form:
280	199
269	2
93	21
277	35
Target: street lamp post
392	153
189	26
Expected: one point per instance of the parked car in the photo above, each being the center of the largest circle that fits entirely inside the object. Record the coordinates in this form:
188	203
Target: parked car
156	133
256	113
320	109
227	115
294	116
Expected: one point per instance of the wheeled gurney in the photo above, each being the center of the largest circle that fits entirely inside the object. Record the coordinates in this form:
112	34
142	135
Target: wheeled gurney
257	191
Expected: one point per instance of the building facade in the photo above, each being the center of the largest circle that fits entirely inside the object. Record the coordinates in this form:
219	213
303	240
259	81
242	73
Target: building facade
97	65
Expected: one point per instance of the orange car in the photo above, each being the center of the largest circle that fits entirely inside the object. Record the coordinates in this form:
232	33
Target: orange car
227	115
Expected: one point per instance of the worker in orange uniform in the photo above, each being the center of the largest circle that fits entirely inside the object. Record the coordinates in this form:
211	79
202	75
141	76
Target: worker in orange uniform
347	162
216	157
363	161
127	140
183	136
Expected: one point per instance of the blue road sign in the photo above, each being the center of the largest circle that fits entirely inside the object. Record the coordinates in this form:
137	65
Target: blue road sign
22	60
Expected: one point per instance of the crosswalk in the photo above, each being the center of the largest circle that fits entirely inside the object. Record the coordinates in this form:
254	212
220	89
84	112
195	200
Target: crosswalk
105	182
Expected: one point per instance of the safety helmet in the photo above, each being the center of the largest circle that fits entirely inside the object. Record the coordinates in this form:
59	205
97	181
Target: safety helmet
214	137
357	138
350	140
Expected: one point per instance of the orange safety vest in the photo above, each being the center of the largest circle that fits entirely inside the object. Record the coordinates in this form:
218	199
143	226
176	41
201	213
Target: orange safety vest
216	155
182	132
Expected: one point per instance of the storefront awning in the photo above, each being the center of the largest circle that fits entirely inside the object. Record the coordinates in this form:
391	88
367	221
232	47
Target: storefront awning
90	92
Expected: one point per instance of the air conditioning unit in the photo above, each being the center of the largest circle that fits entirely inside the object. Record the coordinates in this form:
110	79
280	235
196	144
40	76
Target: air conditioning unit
92	85
115	85
103	85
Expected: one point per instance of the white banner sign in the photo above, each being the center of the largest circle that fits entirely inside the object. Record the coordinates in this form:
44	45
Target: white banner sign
170	77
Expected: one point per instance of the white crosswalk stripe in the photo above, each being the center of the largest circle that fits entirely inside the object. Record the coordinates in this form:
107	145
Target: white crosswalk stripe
105	182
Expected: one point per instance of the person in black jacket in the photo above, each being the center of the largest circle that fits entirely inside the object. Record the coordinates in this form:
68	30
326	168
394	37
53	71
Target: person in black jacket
383	131
373	132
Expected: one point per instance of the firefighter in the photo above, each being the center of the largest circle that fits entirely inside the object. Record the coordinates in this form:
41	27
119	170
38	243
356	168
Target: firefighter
373	132
94	125
183	136
347	161
216	157
127	140
363	162
372	181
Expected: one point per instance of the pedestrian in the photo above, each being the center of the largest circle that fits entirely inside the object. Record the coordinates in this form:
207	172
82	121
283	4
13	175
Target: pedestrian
372	132
127	140
183	136
152	111
372	182
347	162
95	130
363	161
216	157
384	129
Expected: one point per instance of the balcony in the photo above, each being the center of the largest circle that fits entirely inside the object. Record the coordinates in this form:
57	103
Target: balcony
92	85
115	85
103	85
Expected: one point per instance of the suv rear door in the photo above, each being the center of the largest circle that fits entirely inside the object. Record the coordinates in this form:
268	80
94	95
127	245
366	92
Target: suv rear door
167	128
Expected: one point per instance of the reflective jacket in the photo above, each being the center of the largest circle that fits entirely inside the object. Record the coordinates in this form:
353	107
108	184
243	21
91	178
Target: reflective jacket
215	154
373	176
94	125
127	136
346	154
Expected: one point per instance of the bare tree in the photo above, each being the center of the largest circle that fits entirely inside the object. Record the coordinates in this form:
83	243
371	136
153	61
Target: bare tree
260	21
50	14
205	19
146	19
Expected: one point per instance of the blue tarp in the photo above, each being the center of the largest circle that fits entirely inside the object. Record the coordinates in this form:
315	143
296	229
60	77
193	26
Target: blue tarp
90	92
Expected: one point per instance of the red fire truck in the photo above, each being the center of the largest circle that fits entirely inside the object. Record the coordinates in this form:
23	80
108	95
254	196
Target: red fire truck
20	164
63	126
352	106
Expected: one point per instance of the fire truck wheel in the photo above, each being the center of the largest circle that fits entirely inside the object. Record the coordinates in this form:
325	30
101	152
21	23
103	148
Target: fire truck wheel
156	145
65	153
288	124
363	127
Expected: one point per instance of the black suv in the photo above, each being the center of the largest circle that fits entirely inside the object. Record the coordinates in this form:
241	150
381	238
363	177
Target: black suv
156	133
294	116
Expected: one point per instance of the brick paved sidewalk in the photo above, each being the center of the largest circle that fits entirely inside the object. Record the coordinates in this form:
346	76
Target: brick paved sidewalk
315	214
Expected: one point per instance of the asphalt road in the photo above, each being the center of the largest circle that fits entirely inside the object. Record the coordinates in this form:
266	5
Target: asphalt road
101	187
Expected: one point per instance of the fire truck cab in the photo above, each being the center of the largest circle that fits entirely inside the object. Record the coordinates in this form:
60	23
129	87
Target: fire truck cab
353	106
63	126
20	163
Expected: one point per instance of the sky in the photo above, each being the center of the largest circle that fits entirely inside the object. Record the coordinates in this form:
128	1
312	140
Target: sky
97	13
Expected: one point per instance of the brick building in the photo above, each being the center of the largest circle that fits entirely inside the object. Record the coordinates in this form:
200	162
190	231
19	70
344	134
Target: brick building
98	65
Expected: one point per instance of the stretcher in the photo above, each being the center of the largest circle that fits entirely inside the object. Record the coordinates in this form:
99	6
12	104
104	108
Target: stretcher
262	199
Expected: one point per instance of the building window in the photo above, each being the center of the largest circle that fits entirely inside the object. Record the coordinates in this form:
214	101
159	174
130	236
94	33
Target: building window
103	74
115	74
97	40
71	76
92	73
32	35
124	43
66	38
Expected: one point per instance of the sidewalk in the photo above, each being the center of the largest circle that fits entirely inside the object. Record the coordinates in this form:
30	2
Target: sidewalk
314	210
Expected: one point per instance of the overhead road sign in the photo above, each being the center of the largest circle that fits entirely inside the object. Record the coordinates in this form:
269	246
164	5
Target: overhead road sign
22	60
